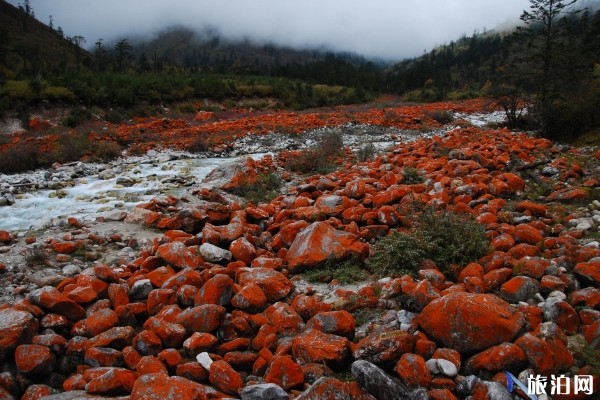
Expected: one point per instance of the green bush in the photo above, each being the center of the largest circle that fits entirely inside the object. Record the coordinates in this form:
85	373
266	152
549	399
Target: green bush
319	159
263	191
76	117
412	176
346	272
442	237
58	93
443	117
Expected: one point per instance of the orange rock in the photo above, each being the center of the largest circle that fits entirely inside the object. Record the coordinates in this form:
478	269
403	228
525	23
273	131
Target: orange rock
470	322
225	378
538	354
243	250
34	359
217	290
82	295
284	372
171	335
339	323
101	321
284	318
161	386
317	347
147	343
506	356
101	357
204	318
569	195
320	241
413	371
250	299
177	255
274	284
51	299
384	348
5	237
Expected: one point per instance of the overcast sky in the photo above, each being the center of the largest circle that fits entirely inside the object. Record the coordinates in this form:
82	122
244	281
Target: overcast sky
389	29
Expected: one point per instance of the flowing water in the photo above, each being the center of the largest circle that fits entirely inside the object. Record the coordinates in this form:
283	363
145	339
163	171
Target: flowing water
91	196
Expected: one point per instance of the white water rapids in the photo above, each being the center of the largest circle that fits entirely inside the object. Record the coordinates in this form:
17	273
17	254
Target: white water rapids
91	196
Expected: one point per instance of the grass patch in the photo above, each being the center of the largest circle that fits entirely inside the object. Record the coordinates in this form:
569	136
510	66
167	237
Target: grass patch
348	271
442	237
364	315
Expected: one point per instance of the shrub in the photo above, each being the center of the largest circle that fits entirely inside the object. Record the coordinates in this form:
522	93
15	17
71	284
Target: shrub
264	190
412	176
108	150
76	117
366	152
443	117
199	145
71	147
348	271
54	93
442	237
319	159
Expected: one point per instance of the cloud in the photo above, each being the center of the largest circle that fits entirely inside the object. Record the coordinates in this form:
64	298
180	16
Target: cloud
389	29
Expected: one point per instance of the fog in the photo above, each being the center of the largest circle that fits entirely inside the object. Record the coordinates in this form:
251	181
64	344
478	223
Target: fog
386	29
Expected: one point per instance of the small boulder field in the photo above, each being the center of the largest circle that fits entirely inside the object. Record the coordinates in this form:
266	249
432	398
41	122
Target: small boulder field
219	305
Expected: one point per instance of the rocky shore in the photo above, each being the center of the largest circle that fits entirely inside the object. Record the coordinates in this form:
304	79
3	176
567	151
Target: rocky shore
201	296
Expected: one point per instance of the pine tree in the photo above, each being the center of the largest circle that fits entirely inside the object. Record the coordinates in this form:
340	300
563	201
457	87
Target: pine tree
122	53
544	63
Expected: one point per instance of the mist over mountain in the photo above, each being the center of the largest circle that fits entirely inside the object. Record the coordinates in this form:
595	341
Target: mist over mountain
386	29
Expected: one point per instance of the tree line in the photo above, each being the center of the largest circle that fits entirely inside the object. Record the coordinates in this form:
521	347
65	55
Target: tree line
549	64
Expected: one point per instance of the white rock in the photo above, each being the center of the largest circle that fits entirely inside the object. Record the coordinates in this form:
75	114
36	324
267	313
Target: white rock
447	368
432	366
204	360
557	294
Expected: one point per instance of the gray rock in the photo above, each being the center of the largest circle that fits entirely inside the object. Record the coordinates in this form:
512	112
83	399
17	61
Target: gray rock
71	270
265	391
77	395
106	174
528	287
125	181
466	384
9	198
3	201
46	277
116	216
140	289
497	391
419	394
549	171
375	381
405	318
214	254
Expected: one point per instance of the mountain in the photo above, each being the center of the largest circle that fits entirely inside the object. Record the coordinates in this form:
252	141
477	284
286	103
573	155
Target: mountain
28	46
188	48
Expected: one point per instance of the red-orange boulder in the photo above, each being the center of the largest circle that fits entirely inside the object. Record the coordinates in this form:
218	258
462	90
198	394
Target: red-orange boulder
320	241
469	322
